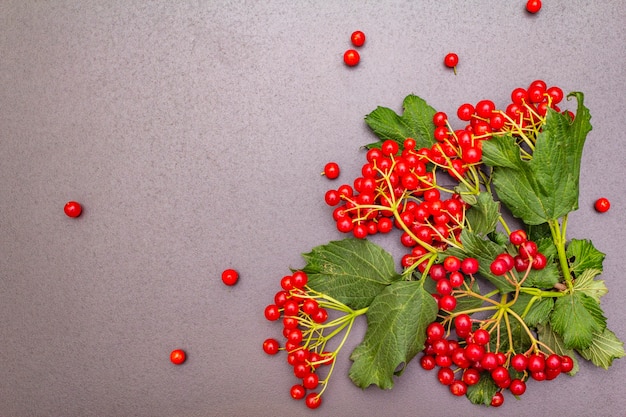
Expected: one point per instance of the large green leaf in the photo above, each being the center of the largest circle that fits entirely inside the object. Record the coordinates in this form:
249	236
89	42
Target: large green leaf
353	271
534	310
577	317
416	122
546	187
604	348
396	331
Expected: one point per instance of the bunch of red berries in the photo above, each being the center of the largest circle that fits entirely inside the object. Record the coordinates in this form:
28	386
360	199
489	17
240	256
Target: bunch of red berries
306	332
463	363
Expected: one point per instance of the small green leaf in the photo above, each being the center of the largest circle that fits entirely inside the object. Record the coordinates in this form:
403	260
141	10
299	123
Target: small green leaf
583	255
604	349
546	187
483	215
586	284
416	122
555	342
577	318
353	271
482	392
396	331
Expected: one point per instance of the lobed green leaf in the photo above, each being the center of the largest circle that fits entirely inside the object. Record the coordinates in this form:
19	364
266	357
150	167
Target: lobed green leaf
352	271
586	284
546	187
483	215
604	348
483	391
583	255
416	122
577	317
396	331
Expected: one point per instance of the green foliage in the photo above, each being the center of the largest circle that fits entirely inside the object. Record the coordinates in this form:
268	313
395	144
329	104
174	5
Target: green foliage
396	331
555	342
604	348
483	391
353	271
583	255
577	318
546	187
483	214
416	122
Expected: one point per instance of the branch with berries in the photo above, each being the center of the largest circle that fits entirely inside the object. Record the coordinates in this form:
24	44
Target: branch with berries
491	301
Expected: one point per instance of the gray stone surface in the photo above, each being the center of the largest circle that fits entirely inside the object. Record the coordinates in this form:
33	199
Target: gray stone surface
193	133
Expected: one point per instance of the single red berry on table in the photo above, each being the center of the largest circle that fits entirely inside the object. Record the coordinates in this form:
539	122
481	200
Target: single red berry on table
230	277
533	6
351	57
451	60
72	209
178	356
331	170
602	205
357	38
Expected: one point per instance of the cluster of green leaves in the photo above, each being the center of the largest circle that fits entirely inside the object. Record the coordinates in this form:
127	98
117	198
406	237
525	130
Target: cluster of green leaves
561	303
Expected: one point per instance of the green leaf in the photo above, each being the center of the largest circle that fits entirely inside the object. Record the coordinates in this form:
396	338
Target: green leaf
483	215
546	187
485	252
534	310
555	342
604	349
396	331
583	255
586	284
483	391
513	333
416	122
576	318
352	271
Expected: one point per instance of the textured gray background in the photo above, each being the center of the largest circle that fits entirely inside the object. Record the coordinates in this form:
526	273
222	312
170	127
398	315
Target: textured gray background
193	133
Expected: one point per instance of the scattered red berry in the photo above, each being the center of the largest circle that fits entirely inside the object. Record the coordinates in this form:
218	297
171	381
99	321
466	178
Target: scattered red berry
602	205
72	209
533	6
357	38
230	277
331	170
178	356
451	60
351	57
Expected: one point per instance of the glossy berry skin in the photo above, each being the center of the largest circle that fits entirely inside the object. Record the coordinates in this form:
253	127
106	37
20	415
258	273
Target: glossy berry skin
230	277
451	60
313	400
602	205
351	58
533	6
270	346
331	170
357	38
72	209
178	356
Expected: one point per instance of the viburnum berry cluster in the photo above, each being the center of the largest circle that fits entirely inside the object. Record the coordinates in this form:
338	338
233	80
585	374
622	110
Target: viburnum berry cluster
306	333
491	292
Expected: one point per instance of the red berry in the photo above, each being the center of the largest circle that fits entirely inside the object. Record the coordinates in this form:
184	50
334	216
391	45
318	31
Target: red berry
497	400
357	38
451	61
270	346
517	237
351	57
297	392
331	170
533	6
178	356
517	387
73	209
313	400
230	277
601	205
469	266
